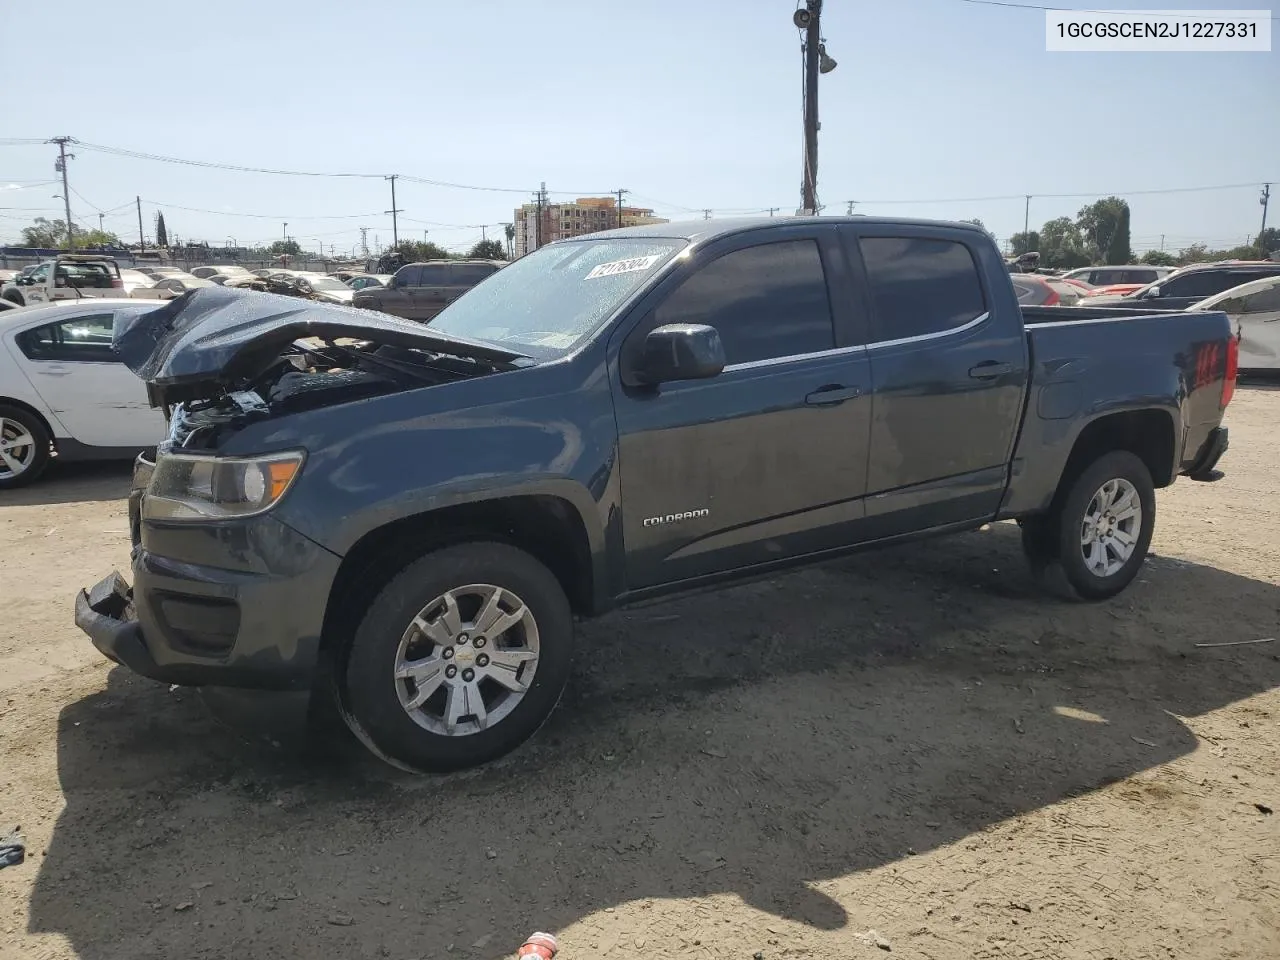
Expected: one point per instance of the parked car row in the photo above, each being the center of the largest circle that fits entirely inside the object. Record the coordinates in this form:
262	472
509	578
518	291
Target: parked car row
102	411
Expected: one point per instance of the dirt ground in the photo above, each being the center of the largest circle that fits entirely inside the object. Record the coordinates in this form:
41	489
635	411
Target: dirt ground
914	746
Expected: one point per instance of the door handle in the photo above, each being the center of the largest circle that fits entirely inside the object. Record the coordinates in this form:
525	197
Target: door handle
990	370
830	396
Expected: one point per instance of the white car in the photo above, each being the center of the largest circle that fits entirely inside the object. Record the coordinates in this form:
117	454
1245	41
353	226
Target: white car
63	391
1254	309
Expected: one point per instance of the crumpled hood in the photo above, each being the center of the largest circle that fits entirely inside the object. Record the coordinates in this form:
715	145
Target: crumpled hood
215	339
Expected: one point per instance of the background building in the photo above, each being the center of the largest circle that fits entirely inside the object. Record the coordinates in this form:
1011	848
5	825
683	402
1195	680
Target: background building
584	215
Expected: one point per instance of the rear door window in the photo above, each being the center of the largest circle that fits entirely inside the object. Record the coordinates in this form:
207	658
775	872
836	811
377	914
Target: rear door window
82	339
1264	301
921	287
1202	283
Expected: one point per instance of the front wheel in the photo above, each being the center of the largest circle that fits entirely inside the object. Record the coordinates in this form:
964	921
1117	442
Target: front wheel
1105	524
460	658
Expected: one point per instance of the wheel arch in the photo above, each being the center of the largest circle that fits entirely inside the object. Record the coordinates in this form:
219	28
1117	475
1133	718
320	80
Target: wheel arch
6	401
546	526
1150	434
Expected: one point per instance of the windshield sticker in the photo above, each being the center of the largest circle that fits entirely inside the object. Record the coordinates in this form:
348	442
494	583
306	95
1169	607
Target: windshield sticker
612	269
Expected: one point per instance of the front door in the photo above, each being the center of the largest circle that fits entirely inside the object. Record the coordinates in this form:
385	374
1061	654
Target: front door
948	370
92	393
767	460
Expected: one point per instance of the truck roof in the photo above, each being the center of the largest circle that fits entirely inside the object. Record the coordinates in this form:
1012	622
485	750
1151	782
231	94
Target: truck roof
702	230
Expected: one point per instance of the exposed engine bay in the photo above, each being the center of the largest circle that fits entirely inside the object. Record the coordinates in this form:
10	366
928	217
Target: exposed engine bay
312	374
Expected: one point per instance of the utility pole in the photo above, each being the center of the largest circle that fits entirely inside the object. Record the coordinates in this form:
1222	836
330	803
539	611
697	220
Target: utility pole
1026	221
772	211
1162	243
61	167
142	238
395	229
620	194
540	199
849	210
808	18
484	233
364	242
706	214
1262	234
285	232
100	216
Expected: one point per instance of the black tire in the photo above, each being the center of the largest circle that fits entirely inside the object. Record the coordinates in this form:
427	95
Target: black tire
1039	543
13	296
371	696
1070	519
36	459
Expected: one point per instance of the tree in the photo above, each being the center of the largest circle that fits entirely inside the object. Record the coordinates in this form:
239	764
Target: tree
162	235
417	250
509	230
1196	253
290	247
45	234
1021	243
1098	224
1061	245
96	238
1158	258
1269	241
1118	250
487	250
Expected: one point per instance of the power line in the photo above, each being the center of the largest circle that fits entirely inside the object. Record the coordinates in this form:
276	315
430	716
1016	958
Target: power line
239	168
264	216
1132	14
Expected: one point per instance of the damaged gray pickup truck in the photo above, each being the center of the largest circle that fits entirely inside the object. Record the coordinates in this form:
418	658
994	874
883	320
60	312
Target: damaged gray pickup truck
410	516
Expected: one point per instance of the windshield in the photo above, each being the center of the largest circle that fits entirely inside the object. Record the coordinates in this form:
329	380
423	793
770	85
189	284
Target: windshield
546	303
328	283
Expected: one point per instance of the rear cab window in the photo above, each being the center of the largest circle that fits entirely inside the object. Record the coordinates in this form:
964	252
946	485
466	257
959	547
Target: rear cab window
80	275
921	286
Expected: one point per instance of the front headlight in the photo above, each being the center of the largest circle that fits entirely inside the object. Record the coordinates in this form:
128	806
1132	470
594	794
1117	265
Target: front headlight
186	487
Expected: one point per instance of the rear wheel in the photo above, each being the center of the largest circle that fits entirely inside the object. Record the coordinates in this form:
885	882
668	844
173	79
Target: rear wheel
460	658
1104	525
13	296
24	447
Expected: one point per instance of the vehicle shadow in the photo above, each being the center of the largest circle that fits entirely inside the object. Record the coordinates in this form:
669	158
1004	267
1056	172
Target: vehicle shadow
758	742
75	482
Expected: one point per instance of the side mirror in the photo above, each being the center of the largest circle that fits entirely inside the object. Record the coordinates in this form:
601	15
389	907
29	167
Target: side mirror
1153	293
393	283
681	351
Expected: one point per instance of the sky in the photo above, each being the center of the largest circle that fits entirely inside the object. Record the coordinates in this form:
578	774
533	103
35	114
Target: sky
936	108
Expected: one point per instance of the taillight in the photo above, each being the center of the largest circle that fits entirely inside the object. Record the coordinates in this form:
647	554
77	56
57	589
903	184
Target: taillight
1233	368
117	284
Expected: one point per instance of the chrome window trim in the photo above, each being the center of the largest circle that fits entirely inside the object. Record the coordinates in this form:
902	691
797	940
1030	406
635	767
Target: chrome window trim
982	318
796	357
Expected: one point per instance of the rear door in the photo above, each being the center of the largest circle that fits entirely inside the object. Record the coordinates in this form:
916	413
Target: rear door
948	371
398	298
767	460
100	401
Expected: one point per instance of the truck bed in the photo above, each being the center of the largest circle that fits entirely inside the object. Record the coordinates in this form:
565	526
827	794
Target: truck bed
1087	362
1037	315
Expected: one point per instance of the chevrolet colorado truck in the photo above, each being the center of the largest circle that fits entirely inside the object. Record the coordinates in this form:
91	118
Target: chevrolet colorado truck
411	516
